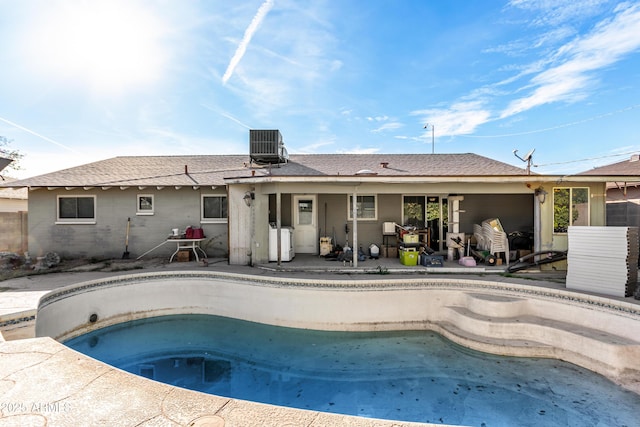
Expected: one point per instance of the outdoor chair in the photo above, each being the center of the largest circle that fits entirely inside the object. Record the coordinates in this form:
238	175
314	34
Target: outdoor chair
496	241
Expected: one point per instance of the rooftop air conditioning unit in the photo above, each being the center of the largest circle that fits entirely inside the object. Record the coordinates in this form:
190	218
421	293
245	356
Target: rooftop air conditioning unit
266	146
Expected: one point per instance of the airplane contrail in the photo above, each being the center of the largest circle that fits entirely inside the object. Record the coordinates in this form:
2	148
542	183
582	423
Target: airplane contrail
38	135
248	34
227	115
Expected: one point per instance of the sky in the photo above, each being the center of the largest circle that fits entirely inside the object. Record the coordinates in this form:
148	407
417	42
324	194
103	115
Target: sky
82	81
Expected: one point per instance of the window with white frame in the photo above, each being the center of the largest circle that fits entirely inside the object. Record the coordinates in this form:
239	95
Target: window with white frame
570	207
76	209
145	204
214	208
366	206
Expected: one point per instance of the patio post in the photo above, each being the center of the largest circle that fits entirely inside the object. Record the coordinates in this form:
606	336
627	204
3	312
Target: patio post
355	229
278	226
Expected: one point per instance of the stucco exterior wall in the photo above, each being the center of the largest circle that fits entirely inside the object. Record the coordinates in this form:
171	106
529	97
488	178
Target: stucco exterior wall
173	208
597	213
245	239
242	221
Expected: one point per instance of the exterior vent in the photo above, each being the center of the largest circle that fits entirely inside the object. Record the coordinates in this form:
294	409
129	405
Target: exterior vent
266	146
366	172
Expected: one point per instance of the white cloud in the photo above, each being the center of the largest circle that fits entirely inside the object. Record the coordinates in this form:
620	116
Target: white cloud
388	126
459	119
359	150
546	40
554	12
316	146
567	81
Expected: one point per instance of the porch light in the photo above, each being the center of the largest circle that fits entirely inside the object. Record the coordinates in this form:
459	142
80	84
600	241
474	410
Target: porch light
248	197
541	195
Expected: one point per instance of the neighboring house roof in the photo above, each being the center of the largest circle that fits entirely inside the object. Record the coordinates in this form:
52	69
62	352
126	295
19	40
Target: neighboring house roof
629	168
212	170
12	193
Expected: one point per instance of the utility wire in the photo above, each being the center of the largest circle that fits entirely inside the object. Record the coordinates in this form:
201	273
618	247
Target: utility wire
554	127
589	158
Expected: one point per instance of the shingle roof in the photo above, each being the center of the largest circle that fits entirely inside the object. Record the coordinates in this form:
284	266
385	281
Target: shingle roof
143	170
12	193
398	165
630	167
213	169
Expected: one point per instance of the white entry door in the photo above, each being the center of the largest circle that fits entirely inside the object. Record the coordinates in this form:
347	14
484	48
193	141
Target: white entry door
305	220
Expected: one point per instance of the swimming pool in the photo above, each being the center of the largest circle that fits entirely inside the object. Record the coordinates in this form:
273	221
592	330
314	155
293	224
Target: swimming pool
596	333
401	375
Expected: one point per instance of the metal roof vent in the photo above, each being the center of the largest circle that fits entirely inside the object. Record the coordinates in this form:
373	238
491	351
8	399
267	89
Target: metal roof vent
266	146
366	172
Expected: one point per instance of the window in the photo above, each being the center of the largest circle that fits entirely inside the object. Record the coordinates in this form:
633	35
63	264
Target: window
76	209
413	208
570	207
305	212
145	204
366	207
214	208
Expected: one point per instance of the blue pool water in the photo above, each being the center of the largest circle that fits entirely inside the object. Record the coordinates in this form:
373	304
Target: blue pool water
405	375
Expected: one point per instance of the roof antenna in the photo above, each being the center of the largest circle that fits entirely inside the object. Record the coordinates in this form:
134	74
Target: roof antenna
527	158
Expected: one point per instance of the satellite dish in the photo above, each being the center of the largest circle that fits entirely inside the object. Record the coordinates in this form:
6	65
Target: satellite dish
528	156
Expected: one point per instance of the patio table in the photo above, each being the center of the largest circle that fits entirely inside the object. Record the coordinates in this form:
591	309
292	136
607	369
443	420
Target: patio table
191	244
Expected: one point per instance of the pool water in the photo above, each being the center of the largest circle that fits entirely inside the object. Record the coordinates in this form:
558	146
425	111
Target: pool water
401	375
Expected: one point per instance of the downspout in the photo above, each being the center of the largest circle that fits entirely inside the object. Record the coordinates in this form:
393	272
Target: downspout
441	232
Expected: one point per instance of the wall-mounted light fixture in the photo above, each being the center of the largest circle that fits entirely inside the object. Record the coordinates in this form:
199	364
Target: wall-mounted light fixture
540	194
248	198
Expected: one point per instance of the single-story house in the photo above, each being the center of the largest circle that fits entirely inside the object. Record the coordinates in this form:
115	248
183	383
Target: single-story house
241	201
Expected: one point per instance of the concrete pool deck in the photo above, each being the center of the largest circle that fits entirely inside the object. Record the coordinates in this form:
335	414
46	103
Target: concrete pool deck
43	382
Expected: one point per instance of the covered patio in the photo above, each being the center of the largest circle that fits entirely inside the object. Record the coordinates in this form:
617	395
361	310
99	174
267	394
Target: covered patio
382	266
